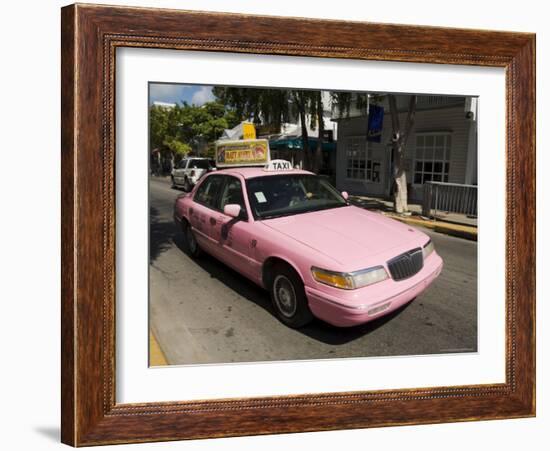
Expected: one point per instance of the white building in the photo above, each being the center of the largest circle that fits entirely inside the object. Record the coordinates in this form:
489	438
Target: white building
442	147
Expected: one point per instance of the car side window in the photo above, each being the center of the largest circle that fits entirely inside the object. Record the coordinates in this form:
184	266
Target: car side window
182	164
232	193
208	192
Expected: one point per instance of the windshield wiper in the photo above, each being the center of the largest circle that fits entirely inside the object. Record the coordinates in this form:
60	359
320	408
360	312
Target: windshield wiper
327	207
300	212
277	215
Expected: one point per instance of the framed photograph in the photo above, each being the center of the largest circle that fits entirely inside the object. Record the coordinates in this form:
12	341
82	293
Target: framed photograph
278	225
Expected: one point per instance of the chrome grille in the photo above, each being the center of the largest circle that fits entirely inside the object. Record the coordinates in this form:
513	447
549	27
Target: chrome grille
406	265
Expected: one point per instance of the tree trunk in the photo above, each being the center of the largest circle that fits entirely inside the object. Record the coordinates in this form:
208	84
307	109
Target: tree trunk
305	138
321	129
400	177
399	143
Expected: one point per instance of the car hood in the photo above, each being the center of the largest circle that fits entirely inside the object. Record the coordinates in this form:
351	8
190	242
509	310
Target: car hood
349	235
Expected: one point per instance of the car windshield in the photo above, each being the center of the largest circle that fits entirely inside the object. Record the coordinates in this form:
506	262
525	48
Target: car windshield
282	195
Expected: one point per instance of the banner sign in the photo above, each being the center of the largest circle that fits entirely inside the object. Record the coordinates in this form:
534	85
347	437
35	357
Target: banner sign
249	131
375	123
245	152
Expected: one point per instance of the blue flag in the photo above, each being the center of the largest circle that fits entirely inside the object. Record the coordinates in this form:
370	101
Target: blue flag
376	121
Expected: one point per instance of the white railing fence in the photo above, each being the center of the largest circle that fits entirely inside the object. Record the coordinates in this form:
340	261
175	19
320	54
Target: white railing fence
449	197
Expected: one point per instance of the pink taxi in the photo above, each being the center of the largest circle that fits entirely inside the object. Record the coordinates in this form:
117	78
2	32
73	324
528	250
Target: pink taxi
292	233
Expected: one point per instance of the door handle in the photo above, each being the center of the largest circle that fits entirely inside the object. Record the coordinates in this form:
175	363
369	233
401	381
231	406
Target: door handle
213	221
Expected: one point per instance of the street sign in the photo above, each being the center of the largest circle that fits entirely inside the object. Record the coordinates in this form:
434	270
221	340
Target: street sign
375	123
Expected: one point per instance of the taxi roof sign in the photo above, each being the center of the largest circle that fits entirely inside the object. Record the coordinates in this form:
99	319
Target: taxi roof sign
278	165
243	152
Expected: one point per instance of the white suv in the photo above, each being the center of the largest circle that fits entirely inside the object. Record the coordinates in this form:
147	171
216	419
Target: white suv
189	170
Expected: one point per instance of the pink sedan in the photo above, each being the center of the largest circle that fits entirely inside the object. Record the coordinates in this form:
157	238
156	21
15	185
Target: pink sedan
292	233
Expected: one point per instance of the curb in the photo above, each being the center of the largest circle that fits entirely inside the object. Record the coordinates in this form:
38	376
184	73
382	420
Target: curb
156	356
461	231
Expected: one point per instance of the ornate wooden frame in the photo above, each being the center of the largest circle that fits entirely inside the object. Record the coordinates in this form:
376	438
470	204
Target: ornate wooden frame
90	35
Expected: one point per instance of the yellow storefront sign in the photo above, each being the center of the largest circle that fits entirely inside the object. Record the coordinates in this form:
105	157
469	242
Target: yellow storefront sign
245	152
249	131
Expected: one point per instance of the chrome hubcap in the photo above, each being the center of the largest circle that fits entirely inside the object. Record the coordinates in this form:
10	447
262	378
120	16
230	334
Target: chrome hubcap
284	295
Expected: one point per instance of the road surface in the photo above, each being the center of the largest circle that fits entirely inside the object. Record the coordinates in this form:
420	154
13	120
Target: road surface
203	312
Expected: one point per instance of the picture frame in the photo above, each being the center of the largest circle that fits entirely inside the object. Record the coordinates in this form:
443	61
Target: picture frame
90	36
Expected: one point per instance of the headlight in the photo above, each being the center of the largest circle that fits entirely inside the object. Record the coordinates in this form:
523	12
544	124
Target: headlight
428	249
350	280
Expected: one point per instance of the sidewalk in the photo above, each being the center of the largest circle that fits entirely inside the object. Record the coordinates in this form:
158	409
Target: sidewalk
449	223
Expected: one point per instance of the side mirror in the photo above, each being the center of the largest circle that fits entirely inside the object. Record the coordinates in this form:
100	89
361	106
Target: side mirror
233	210
345	195
237	213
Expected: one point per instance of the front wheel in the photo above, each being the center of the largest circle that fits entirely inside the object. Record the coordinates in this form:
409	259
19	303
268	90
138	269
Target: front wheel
192	245
289	298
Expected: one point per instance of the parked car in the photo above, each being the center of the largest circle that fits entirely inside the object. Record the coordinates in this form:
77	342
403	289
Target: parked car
294	234
189	170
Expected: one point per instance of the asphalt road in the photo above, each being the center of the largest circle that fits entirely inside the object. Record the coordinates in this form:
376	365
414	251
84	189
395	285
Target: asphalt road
203	312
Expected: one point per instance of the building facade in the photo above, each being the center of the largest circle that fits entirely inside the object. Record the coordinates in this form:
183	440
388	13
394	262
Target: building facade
442	147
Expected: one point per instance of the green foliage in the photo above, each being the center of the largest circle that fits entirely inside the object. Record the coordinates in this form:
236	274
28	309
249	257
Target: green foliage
261	106
158	126
177	130
271	107
343	101
178	148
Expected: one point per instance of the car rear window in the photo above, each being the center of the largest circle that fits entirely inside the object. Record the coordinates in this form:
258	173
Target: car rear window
199	164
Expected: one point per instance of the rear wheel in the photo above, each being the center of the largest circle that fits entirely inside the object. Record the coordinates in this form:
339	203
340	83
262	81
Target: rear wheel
289	298
192	245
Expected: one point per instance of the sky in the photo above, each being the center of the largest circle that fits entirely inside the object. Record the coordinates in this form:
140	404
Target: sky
178	93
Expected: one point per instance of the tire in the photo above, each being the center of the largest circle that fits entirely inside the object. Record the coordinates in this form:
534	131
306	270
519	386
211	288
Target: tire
173	183
289	297
186	185
193	248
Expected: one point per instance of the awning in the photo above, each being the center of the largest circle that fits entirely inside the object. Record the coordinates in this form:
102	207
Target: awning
296	143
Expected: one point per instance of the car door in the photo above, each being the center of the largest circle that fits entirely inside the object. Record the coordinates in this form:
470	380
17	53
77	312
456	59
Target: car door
204	210
190	170
234	244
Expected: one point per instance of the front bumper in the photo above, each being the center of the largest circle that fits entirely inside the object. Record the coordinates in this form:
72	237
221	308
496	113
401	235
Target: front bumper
344	308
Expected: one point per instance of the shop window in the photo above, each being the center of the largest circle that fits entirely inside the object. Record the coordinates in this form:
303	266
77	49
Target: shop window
359	162
432	158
